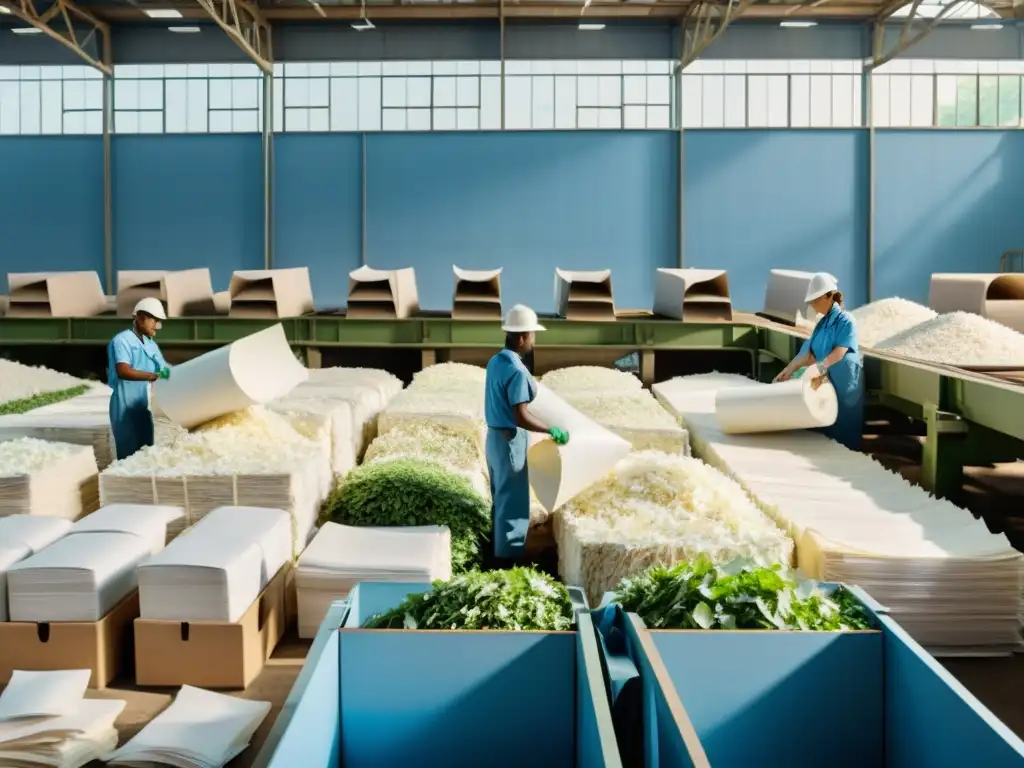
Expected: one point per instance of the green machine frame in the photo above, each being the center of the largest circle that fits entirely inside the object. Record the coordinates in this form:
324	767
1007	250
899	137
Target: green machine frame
968	418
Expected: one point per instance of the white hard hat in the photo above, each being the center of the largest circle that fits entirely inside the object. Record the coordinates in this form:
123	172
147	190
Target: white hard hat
152	307
521	319
821	283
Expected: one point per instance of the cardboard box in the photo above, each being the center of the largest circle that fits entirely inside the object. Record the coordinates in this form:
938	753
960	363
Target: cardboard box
55	294
998	296
693	294
477	294
103	646
585	295
182	292
212	654
382	294
270	293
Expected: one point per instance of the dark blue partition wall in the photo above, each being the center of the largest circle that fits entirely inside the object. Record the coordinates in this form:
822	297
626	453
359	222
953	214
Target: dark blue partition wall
51	204
318	209
188	201
527	202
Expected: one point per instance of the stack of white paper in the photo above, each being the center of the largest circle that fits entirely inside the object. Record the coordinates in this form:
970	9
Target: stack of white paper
199	730
43	478
341	556
951	583
218	567
20	537
81	577
147	521
44	721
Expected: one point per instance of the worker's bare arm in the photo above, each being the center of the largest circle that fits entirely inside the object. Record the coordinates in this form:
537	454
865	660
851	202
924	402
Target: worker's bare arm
798	362
127	373
525	421
834	357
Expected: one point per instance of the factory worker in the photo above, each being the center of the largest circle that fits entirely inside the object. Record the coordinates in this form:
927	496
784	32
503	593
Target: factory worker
833	348
133	362
509	389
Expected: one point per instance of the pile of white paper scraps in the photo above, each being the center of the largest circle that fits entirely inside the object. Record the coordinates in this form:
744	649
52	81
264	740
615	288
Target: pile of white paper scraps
20	382
636	417
217	568
42	478
660	508
960	339
884	318
22	536
341	556
590	378
45	721
200	729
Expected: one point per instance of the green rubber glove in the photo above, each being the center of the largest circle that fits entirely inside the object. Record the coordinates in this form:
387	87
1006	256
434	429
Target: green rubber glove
560	436
165	373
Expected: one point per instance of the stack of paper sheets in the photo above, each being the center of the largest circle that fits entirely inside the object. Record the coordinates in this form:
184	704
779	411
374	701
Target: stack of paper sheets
951	583
80	577
147	521
216	569
200	730
45	721
44	478
22	536
70	426
341	556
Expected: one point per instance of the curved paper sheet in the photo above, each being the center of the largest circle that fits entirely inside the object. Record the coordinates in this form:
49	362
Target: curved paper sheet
558	473
476	275
250	371
788	405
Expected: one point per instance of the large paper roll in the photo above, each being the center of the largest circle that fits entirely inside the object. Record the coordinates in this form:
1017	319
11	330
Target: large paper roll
780	407
253	370
558	473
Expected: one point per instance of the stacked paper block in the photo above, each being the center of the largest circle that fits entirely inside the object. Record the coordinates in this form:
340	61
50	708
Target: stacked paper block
271	293
43	478
55	294
477	294
582	295
182	292
693	294
376	294
22	536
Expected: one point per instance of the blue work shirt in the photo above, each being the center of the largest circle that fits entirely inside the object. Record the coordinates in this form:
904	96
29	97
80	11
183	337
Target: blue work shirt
131	421
508	384
835	329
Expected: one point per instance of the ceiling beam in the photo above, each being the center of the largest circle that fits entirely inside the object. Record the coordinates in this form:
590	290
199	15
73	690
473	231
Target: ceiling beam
245	24
66	34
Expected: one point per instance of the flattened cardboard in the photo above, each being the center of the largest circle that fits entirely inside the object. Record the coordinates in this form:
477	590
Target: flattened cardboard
784	297
212	654
376	294
182	292
55	294
583	295
104	646
693	294
477	294
997	296
271	293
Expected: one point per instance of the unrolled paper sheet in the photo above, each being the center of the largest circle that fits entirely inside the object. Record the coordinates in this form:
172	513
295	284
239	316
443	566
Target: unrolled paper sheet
558	473
253	370
780	407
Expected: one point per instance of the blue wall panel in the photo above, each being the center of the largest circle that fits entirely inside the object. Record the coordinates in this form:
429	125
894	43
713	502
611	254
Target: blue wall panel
51	204
188	201
526	201
756	199
318	221
947	201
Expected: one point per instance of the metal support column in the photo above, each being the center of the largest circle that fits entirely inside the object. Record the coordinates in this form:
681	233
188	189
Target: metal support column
362	168
942	463
868	106
268	171
681	177
501	54
108	195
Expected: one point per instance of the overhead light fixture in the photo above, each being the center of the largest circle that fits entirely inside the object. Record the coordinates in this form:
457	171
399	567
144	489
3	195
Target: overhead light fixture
162	13
184	30
592	27
26	31
798	24
363	25
986	26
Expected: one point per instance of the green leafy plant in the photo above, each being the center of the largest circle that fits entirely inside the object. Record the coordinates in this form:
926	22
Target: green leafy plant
518	599
412	492
739	595
43	398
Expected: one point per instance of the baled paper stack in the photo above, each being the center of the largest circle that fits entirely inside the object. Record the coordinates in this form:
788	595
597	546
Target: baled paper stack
334	418
200	730
146	521
80	577
273	293
22	536
216	569
76	428
55	294
45	721
341	556
951	583
181	292
43	478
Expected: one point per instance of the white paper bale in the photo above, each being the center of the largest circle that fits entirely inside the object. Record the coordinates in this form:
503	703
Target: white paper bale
19	382
462	413
387	384
959	339
884	318
42	478
590	378
634	416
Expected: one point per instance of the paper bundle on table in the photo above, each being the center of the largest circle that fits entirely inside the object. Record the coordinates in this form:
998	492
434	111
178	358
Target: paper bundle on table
44	478
181	292
216	569
693	294
22	536
271	293
584	295
477	294
147	521
375	294
55	294
341	556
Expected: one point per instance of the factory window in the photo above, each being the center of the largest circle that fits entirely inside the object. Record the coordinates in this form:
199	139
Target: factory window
725	93
51	100
909	93
188	98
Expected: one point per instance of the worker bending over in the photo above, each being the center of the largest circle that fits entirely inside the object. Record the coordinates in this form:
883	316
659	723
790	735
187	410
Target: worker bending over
833	348
509	390
133	362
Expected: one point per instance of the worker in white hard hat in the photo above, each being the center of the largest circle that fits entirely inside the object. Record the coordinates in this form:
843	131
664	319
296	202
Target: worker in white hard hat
133	362
509	390
833	348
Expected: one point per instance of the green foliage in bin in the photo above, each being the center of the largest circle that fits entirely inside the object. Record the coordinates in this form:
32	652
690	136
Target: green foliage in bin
738	595
38	401
412	492
517	599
